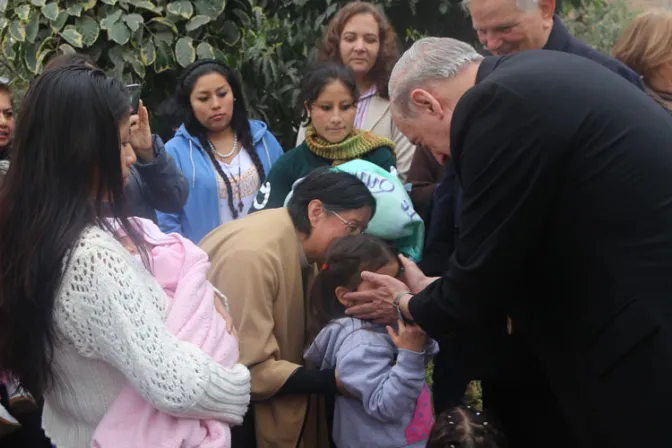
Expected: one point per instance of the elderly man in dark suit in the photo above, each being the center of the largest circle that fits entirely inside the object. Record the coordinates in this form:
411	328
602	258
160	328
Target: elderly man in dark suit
504	27
566	228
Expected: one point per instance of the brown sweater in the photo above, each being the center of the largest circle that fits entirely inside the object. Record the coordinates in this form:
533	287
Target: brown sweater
425	174
256	263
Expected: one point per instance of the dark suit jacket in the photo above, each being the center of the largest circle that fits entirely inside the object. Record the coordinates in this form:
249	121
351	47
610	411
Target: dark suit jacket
566	227
561	40
445	209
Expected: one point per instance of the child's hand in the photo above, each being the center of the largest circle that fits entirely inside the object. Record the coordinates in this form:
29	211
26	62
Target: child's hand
410	337
221	309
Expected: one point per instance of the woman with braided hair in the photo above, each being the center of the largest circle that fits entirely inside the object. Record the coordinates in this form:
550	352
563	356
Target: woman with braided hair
224	156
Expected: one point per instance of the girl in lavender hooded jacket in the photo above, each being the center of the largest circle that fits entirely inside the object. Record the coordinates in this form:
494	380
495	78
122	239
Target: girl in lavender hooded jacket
383	370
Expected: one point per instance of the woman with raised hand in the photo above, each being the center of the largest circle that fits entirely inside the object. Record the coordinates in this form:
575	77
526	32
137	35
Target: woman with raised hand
80	316
155	184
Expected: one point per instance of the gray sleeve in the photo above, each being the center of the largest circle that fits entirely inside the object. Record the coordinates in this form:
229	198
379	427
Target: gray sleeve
386	389
164	187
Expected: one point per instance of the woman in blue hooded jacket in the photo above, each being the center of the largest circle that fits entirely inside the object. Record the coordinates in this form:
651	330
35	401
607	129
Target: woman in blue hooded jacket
224	156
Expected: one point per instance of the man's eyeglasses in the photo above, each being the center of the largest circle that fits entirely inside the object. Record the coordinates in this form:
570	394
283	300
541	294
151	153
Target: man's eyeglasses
352	227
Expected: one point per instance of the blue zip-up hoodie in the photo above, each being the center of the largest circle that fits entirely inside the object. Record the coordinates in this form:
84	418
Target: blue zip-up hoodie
200	214
390	404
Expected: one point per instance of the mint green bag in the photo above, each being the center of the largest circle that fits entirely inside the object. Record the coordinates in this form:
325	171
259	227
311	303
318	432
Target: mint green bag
395	218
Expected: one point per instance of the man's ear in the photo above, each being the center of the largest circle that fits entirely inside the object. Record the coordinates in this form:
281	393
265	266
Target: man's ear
425	101
305	106
315	211
340	292
547	8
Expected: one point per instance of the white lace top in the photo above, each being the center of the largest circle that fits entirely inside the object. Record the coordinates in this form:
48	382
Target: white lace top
109	317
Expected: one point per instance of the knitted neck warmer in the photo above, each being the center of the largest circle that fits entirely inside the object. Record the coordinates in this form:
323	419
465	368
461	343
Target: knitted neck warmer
354	146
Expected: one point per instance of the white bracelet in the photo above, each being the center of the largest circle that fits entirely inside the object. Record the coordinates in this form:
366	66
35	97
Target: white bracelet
223	298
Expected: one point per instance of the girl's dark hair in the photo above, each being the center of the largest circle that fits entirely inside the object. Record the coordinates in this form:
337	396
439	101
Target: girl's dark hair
337	190
464	427
5	88
317	78
65	175
388	55
345	260
239	121
70	59
168	117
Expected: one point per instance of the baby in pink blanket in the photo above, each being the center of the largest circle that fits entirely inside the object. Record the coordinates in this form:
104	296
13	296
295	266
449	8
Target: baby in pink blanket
194	314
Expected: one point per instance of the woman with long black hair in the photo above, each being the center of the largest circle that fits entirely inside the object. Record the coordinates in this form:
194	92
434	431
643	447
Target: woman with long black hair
225	156
80	316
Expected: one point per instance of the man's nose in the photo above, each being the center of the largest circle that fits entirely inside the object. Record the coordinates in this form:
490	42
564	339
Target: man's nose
492	42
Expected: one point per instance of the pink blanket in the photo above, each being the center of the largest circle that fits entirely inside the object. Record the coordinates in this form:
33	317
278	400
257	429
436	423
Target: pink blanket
180	267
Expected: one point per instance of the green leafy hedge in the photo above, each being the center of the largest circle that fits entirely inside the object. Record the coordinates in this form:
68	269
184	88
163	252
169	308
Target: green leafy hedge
269	42
599	23
129	38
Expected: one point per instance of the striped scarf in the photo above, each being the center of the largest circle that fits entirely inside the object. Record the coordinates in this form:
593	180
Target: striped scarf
357	144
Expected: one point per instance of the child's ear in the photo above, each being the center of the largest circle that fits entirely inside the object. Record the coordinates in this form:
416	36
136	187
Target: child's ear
340	292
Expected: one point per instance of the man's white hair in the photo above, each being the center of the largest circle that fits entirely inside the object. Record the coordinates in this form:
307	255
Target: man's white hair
523	5
429	59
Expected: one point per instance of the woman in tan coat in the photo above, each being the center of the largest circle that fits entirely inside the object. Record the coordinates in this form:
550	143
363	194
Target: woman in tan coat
264	264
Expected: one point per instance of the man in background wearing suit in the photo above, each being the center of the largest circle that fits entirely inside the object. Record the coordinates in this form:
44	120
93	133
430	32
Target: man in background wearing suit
566	228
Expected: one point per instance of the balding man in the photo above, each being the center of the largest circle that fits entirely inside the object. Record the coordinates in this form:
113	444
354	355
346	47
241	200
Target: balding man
505	27
566	228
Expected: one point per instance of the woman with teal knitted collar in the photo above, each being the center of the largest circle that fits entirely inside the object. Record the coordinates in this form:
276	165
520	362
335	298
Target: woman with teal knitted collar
329	97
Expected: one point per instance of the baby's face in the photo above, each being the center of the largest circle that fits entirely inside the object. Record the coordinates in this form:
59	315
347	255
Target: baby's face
391	269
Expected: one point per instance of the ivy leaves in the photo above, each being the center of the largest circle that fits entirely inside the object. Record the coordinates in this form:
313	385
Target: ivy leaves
124	36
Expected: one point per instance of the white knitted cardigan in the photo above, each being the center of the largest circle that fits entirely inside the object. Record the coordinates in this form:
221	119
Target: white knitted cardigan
109	315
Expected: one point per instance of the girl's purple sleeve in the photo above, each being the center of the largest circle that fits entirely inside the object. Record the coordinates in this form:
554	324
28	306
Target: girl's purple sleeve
386	390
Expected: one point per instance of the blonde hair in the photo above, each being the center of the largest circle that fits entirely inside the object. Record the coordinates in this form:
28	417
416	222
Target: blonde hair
646	43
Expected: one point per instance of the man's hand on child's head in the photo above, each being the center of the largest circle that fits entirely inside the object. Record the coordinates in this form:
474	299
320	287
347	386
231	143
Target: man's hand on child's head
376	304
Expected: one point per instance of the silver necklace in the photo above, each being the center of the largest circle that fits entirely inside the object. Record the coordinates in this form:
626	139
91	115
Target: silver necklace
224	156
237	182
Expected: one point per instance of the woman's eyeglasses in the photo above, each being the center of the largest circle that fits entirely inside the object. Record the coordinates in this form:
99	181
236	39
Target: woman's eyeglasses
352	227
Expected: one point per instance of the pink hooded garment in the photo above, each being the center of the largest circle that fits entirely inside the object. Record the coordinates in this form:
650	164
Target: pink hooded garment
180	267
